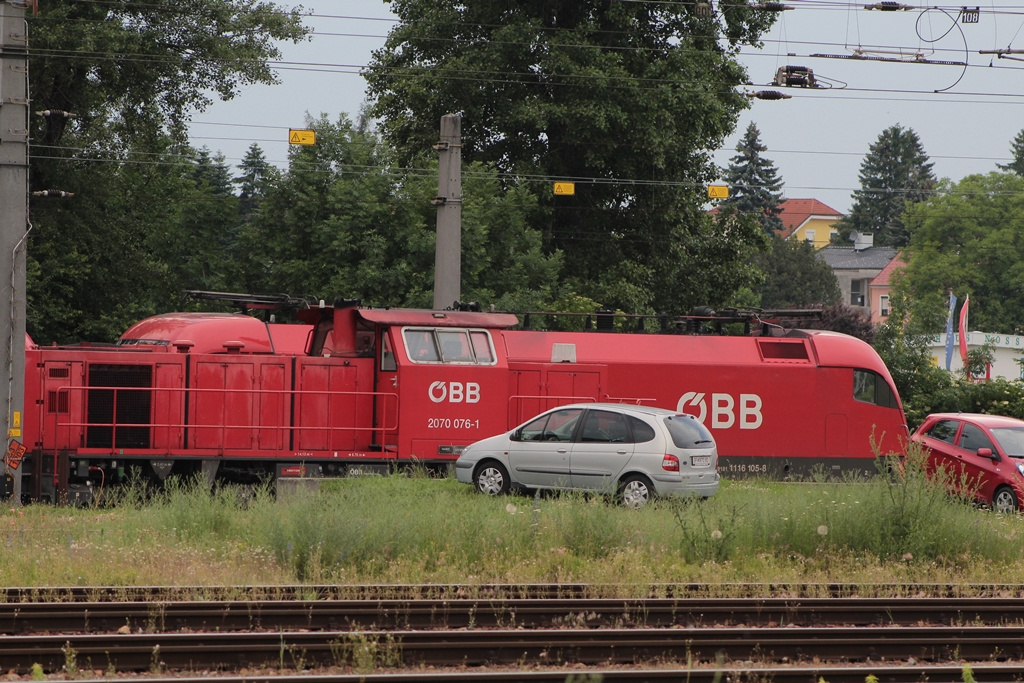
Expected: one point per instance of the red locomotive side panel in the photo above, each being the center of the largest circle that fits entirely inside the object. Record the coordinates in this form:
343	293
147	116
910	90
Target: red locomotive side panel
777	406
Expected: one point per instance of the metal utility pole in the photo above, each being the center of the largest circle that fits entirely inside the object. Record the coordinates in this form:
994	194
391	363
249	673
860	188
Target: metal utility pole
13	229
448	250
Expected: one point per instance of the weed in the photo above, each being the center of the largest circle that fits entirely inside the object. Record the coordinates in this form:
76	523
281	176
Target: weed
364	652
298	657
703	537
156	666
37	672
70	660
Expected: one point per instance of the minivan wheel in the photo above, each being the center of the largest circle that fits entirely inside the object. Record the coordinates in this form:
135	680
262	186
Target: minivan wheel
635	490
1004	501
491	478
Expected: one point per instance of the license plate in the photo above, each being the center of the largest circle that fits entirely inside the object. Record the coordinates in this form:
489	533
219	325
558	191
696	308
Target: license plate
700	460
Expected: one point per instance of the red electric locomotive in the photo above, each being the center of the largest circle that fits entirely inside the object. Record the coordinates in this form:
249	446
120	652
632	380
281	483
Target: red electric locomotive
349	388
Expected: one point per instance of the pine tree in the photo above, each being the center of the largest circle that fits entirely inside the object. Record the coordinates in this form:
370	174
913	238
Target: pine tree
256	174
212	171
895	172
1017	149
754	182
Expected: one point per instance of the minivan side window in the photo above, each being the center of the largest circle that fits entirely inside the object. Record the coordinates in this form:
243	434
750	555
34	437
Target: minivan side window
556	426
602	426
642	432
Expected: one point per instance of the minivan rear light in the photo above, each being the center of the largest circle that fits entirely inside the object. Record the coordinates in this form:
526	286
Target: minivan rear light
670	463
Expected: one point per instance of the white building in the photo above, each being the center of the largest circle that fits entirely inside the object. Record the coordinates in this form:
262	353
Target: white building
1007	350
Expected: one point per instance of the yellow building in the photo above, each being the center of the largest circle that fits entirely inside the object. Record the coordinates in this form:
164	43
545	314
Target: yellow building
808	219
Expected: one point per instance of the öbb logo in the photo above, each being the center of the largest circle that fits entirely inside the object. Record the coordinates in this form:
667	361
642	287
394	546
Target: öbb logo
723	409
454	392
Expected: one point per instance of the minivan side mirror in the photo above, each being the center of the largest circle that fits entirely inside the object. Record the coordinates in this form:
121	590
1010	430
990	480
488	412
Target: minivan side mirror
517	435
986	453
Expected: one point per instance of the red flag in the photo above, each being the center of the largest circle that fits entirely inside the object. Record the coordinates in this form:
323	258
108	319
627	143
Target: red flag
963	330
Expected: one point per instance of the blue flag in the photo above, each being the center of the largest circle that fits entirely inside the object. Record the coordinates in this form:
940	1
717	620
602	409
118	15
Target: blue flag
949	329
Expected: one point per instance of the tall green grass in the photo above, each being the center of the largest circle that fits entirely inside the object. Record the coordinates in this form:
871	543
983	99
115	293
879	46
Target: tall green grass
898	527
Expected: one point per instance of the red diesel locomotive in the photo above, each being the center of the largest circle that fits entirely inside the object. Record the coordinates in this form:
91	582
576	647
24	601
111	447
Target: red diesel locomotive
232	397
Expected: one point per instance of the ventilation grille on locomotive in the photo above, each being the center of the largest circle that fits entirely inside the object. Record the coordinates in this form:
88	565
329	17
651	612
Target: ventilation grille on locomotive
123	402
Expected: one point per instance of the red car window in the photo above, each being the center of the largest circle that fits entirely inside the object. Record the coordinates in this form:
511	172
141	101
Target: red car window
973	437
944	430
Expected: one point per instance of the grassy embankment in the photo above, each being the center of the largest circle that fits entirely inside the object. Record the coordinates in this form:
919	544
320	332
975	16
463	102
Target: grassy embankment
417	530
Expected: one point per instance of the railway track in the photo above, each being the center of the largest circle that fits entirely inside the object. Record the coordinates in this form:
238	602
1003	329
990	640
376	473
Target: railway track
554	647
22	618
460	591
778	638
795	674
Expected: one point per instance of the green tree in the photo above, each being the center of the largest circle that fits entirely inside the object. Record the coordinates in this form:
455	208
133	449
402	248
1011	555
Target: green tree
794	276
257	174
896	172
145	216
199	253
325	231
213	172
754	183
839	317
967	238
139	68
626	99
91	264
1017	150
902	342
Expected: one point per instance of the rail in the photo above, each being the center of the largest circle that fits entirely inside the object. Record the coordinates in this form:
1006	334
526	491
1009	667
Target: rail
782	639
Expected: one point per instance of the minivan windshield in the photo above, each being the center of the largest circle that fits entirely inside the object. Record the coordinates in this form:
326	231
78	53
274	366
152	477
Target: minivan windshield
688	432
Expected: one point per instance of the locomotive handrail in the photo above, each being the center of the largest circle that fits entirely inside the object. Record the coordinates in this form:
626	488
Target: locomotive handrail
703	320
632	401
66	424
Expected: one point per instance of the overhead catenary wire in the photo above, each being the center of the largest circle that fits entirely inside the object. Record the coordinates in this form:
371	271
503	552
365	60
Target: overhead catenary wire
985	98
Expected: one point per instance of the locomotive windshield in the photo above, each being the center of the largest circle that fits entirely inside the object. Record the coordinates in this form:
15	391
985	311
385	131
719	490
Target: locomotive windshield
870	387
448	345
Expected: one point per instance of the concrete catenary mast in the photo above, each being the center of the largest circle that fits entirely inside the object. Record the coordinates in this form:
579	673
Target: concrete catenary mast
448	249
14	226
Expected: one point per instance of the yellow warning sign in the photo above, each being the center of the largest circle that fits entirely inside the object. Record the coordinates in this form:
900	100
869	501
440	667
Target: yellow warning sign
718	191
301	137
565	188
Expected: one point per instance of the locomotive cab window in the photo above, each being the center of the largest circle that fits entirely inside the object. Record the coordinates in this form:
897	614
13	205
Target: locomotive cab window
870	387
448	345
387	357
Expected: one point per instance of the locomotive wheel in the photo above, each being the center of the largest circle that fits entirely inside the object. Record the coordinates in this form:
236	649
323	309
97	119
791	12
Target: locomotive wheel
635	490
491	478
1004	501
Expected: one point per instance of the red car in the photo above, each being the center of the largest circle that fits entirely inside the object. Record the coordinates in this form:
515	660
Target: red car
985	453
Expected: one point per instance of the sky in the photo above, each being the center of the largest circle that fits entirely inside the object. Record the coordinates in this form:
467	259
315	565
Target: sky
965	116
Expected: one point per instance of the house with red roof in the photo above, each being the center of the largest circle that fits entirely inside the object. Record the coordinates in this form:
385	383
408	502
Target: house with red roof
878	290
808	219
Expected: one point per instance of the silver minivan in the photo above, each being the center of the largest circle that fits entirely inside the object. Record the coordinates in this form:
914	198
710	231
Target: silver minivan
634	452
